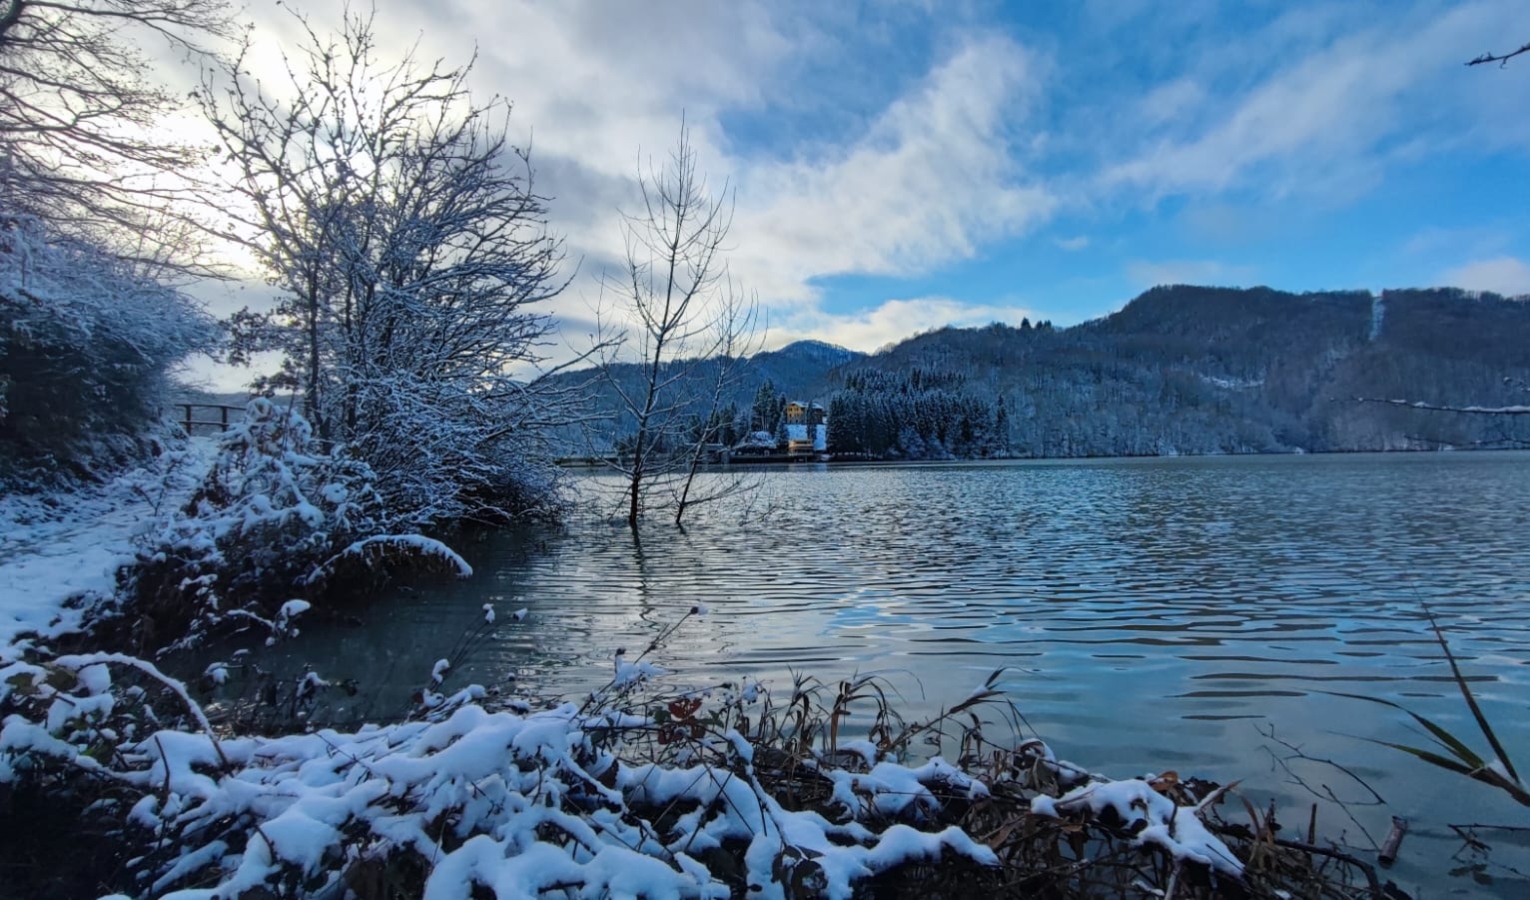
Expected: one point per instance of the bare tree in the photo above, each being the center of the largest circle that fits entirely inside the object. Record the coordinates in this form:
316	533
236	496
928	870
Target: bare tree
77	105
735	337
410	248
691	331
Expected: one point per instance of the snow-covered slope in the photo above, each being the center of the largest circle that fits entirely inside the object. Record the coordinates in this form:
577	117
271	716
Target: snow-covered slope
55	546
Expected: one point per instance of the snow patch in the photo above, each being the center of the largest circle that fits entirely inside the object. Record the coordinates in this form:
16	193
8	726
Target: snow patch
1151	817
57	546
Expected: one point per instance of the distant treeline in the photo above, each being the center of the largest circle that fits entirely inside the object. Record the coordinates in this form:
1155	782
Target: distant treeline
920	414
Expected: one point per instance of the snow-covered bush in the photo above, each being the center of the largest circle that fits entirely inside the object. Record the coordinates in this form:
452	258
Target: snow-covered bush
86	344
641	790
453	449
277	517
517	802
720	793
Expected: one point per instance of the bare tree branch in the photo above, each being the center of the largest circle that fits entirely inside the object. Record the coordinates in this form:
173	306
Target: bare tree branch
692	332
78	110
1501	59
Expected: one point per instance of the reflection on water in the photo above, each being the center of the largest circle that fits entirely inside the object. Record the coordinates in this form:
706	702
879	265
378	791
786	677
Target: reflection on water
1153	614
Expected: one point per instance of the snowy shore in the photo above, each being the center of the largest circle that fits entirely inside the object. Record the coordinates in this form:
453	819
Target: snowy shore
631	794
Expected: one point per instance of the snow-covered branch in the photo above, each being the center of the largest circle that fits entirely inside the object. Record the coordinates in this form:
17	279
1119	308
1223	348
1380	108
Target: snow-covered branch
412	250
87	343
1514	410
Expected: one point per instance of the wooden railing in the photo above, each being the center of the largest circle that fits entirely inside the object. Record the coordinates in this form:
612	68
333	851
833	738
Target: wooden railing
190	416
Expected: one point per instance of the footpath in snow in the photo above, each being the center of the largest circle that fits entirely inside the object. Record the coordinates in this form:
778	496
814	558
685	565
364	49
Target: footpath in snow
54	546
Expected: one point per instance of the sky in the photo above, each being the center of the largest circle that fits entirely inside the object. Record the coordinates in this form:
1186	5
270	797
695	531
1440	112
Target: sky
900	166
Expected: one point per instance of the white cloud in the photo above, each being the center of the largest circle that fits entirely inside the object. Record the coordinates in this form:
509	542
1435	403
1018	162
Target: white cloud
1225	223
1479	241
1505	275
926	179
1315	102
1327	123
1115	13
599	82
932	179
1172	101
890	322
1146	274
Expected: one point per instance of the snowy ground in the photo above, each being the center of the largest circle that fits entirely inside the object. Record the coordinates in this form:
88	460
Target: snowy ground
56	546
593	800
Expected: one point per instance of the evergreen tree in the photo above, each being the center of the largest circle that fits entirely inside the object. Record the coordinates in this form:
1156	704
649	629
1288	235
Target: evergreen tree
764	412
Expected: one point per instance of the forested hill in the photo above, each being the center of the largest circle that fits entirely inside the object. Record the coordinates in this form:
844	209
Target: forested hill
1178	370
1200	370
799	369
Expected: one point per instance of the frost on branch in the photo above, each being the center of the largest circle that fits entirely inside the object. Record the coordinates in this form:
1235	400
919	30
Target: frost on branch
277	515
86	345
1150	817
372	552
407	315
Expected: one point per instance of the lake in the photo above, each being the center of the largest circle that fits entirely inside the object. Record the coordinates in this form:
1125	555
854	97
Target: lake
1151	614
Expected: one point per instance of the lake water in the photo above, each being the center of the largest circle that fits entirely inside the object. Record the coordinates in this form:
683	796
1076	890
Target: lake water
1153	614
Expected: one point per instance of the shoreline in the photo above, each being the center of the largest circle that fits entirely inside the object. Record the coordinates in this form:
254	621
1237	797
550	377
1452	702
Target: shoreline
581	463
724	794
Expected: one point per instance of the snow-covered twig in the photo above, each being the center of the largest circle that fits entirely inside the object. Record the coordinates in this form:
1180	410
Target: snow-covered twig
175	686
413	543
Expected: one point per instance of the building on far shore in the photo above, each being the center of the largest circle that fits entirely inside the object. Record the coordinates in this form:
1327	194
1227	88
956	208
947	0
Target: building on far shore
807	430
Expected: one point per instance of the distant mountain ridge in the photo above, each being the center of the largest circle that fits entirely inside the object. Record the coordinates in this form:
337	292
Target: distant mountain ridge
800	368
798	371
1185	369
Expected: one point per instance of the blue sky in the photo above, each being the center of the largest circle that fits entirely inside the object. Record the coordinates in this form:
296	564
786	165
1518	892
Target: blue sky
904	165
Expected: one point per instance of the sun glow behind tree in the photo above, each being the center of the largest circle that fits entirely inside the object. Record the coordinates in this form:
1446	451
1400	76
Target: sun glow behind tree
410	250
